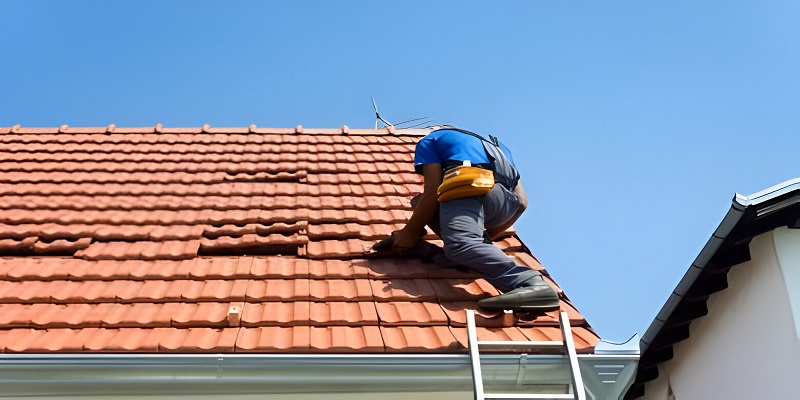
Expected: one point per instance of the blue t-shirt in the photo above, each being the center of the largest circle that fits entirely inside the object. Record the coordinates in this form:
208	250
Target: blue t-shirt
447	145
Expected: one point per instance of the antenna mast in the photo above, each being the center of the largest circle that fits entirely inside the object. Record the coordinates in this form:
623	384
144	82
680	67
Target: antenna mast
425	120
378	115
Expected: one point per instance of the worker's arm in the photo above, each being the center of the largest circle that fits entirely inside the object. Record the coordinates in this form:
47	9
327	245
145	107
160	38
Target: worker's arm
425	209
495	232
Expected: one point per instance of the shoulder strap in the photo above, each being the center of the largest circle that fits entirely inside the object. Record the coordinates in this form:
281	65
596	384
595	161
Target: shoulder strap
505	172
493	140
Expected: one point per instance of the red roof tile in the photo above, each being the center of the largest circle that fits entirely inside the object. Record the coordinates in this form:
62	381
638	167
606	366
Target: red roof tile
346	339
274	339
337	269
390	268
276	314
341	290
402	290
278	290
144	315
415	339
457	315
350	248
224	240
343	313
414	313
192	340
463	289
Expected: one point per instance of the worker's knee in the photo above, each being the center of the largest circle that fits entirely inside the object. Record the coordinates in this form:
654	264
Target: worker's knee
453	252
458	249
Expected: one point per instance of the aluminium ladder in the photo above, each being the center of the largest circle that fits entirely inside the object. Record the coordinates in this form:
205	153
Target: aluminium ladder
568	344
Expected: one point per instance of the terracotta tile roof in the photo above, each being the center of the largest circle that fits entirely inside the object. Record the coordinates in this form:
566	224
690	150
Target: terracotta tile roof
228	240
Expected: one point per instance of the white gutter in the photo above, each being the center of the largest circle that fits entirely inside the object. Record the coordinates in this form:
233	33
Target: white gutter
229	374
96	374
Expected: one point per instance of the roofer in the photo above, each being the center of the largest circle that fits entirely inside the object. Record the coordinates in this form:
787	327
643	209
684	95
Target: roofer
474	186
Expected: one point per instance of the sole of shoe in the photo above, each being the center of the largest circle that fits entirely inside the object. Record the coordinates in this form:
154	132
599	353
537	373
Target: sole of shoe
544	305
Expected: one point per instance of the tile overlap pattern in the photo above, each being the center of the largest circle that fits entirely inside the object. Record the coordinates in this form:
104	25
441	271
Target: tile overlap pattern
228	240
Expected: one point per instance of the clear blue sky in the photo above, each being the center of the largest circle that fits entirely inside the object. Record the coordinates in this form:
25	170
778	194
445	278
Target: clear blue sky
633	122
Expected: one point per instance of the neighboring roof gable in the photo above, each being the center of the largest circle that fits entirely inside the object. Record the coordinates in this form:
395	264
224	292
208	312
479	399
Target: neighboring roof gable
228	240
729	245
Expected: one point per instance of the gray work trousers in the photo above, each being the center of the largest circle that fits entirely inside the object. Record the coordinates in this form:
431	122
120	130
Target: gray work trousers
463	223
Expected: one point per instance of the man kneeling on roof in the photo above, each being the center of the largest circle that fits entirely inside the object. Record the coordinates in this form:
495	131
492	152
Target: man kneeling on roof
474	186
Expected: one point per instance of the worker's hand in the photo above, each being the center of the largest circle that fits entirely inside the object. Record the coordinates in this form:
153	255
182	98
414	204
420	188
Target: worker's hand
385	244
404	240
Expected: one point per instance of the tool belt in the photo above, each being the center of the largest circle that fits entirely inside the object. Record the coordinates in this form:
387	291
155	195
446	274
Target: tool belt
464	181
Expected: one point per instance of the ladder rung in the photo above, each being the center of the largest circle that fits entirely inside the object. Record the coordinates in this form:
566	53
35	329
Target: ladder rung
503	343
568	344
527	396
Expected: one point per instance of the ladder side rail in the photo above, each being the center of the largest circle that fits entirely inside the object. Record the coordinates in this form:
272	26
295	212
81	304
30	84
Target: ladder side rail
577	380
474	356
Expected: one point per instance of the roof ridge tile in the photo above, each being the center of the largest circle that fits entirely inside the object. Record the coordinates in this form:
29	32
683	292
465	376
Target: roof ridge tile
206	128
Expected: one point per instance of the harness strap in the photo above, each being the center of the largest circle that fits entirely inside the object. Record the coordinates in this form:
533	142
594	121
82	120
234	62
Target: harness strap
505	172
493	140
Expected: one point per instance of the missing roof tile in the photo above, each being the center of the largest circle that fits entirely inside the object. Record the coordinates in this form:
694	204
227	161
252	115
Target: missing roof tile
252	176
239	230
273	250
61	247
253	244
14	247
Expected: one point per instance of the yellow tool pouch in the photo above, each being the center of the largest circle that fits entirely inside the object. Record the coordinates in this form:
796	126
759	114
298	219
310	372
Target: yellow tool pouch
464	181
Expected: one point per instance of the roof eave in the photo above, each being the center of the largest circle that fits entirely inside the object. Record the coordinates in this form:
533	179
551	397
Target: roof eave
230	374
739	205
717	238
749	216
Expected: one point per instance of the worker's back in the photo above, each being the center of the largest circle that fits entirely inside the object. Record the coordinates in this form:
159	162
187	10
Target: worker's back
452	147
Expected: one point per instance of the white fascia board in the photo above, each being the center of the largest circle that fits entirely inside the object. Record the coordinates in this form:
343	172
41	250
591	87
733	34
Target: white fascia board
768	193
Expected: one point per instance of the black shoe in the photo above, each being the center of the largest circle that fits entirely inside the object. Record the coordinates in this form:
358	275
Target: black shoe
539	297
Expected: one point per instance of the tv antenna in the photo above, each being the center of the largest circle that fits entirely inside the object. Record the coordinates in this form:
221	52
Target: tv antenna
378	115
387	123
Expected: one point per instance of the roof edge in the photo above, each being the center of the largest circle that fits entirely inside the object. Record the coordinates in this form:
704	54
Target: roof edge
768	193
713	244
739	204
159	128
737	225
